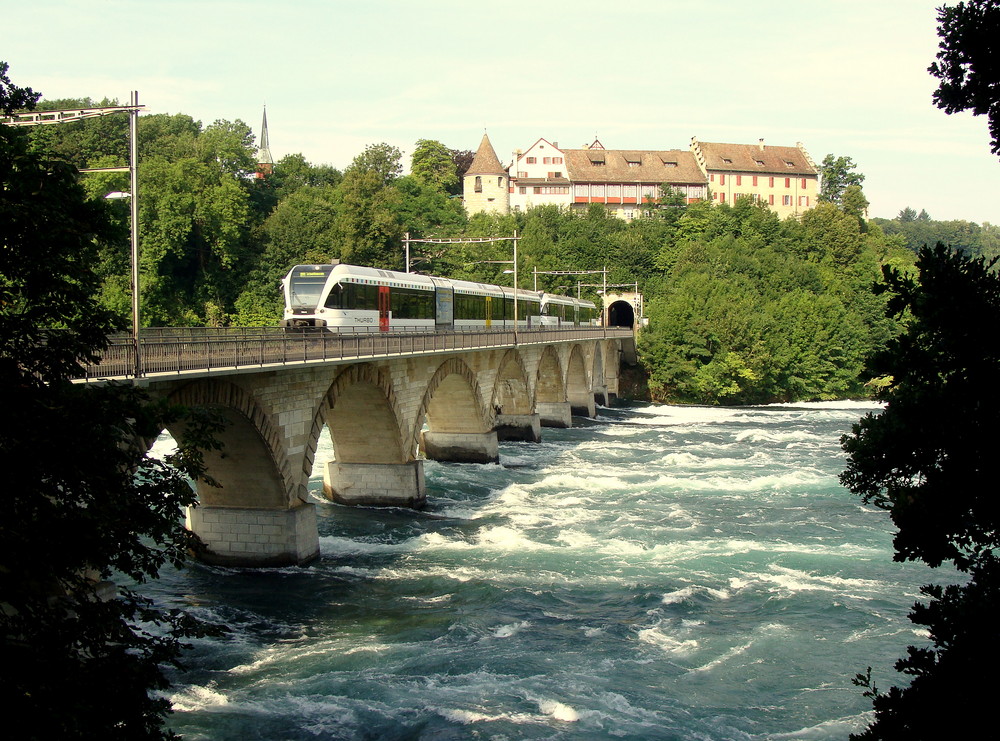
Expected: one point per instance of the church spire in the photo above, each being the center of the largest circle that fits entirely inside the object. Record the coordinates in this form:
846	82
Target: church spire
265	162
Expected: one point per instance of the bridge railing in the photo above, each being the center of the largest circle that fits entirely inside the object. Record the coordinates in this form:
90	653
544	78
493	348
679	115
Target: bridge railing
179	350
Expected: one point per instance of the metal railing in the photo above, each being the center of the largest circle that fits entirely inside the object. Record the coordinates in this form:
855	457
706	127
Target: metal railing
166	351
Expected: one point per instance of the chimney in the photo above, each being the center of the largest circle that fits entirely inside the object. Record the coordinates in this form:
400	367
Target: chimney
760	144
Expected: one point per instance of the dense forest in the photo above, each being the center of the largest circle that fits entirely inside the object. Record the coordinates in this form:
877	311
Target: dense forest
743	307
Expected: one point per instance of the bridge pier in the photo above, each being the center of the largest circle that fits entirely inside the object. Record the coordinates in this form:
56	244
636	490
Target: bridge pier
245	536
554	413
525	427
601	395
460	447
584	407
376	484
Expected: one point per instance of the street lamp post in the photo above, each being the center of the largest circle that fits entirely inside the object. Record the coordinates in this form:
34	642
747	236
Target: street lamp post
37	118
133	196
133	166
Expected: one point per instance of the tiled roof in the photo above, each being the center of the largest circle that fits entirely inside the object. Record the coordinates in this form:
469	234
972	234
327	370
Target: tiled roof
754	158
485	162
633	166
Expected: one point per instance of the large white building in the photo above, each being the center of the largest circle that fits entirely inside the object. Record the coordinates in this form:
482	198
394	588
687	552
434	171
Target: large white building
622	180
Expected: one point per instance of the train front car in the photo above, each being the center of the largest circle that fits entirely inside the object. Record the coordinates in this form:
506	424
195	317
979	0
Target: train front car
361	299
303	287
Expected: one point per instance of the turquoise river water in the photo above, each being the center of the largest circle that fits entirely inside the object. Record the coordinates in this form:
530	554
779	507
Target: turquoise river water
655	573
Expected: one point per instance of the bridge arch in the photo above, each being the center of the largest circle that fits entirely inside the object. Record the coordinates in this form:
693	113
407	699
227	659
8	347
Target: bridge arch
452	401
578	389
512	390
361	411
549	385
247	467
459	424
597	374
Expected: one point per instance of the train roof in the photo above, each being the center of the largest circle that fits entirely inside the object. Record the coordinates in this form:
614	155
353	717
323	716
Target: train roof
419	281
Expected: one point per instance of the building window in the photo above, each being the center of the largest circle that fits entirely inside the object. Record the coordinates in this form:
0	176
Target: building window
522	174
770	182
727	160
722	197
722	179
739	180
789	163
760	162
479	184
546	160
804	201
786	200
557	160
556	174
532	160
770	200
522	190
755	181
803	183
788	182
500	182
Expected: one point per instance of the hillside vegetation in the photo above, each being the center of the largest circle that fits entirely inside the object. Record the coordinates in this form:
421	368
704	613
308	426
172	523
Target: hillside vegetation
743	307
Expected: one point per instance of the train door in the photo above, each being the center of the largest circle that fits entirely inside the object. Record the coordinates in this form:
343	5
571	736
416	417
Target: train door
383	308
489	311
444	307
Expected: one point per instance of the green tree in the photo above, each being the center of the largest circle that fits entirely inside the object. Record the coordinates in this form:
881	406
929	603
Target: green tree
383	160
928	459
966	62
836	174
433	165
79	656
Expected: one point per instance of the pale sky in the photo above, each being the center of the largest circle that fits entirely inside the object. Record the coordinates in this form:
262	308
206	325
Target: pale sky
846	77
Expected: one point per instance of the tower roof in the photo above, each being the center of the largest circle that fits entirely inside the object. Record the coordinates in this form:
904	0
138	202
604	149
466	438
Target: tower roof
486	161
264	150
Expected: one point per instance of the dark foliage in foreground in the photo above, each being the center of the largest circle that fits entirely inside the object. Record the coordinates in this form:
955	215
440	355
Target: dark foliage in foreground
929	458
82	504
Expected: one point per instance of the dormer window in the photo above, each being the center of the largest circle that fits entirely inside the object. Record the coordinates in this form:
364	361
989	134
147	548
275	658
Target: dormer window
760	163
727	160
667	163
789	163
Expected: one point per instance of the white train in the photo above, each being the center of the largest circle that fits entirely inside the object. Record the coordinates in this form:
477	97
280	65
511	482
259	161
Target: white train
350	298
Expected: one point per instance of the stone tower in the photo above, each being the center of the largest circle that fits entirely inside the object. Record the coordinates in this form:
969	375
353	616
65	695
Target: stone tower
485	186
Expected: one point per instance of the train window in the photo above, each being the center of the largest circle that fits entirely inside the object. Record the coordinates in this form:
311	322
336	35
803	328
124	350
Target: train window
468	306
305	287
335	300
409	303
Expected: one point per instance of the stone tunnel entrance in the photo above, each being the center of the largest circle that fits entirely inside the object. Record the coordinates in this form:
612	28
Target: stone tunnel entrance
621	314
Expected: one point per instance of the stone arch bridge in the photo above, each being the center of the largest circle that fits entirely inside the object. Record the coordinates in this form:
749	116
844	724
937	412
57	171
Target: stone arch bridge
386	404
